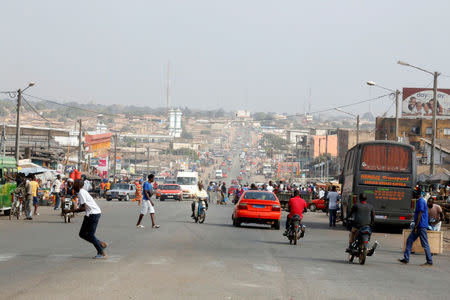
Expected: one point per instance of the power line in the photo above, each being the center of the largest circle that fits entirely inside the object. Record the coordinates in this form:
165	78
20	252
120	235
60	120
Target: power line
350	104
70	106
35	111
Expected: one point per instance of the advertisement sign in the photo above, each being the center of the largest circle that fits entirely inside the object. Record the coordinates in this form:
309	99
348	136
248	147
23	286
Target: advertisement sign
418	103
102	166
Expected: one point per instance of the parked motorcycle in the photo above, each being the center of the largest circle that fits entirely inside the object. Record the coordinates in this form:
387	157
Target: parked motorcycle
360	247
200	211
296	230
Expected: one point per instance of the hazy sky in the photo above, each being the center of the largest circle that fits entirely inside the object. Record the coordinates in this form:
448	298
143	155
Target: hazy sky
236	54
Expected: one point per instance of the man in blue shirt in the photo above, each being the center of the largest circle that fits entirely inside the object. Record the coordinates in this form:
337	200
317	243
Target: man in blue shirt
147	204
419	231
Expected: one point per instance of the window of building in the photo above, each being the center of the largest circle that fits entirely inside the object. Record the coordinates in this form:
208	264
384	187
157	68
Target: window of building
446	131
429	130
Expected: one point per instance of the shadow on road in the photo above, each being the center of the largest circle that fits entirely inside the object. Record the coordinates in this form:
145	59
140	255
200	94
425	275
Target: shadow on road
322	225
326	260
274	242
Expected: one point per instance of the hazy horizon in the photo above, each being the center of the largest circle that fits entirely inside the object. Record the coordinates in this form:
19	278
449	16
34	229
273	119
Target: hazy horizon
253	55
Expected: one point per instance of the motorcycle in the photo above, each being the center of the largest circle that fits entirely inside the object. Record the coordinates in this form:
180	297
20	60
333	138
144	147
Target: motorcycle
200	211
360	246
69	203
296	230
16	207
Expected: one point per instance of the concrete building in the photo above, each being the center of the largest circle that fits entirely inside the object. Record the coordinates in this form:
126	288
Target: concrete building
293	135
411	131
319	144
441	154
347	139
175	127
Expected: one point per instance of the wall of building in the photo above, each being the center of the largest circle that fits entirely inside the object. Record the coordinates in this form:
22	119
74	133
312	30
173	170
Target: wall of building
411	129
319	145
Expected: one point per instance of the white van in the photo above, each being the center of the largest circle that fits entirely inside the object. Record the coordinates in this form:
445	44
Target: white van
219	174
188	182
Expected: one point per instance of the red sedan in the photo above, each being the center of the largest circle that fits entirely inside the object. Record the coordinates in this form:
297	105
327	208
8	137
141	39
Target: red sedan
259	207
316	204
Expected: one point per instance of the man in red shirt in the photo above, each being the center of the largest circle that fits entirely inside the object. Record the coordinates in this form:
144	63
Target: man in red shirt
296	206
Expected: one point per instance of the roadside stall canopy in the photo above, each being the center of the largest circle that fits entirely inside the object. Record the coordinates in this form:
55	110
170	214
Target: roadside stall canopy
422	177
440	178
35	170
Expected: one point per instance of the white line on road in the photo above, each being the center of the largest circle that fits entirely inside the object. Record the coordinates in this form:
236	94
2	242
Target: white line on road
58	257
158	261
268	268
6	257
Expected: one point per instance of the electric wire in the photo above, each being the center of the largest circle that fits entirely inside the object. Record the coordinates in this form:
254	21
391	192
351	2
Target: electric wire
35	111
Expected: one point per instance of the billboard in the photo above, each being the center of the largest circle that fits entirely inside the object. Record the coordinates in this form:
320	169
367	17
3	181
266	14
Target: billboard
418	103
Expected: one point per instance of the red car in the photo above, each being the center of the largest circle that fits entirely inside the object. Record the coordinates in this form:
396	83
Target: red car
232	190
169	191
259	207
316	204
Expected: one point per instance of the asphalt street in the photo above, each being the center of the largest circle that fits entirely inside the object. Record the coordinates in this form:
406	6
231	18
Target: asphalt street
45	259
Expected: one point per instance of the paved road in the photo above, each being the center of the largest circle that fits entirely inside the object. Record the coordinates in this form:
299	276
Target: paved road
45	259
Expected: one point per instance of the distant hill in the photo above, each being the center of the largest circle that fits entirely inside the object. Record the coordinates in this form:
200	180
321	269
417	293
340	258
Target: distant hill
368	116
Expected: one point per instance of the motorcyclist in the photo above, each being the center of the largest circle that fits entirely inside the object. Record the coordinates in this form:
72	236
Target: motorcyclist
200	194
363	215
296	206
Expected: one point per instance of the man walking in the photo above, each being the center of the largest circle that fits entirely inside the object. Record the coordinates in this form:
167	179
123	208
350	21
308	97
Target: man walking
28	197
147	204
34	188
419	231
333	198
90	221
56	191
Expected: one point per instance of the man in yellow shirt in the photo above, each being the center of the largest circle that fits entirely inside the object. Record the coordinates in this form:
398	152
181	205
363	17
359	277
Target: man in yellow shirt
34	190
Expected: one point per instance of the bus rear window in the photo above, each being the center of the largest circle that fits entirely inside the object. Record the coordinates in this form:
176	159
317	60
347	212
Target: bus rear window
386	158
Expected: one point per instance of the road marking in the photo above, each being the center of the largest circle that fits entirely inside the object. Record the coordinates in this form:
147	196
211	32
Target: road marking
110	259
252	285
58	257
6	257
158	261
216	263
268	268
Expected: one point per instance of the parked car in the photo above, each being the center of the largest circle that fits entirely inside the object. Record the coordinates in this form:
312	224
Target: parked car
259	207
121	191
317	204
170	181
231	190
170	191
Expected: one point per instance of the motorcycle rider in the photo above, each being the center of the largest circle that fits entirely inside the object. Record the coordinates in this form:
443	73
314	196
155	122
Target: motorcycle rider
296	206
363	215
200	194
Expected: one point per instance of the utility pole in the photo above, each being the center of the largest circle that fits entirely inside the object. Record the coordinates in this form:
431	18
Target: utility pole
19	104
357	129
79	144
397	114
115	158
326	153
148	160
4	140
135	156
435	107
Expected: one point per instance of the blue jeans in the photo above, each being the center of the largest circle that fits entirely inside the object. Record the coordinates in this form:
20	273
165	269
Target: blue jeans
57	201
87	231
422	234
332	215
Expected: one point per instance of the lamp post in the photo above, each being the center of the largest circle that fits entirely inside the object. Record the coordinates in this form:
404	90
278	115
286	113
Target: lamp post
397	105
433	139
357	122
19	104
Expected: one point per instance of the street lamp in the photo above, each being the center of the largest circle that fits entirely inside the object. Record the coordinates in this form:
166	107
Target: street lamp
357	122
19	104
397	109
433	140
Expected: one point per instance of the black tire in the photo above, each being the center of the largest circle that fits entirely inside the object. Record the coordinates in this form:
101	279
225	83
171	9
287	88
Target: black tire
276	225
350	258
312	208
290	241
363	255
108	199
234	222
68	219
295	237
161	199
202	216
238	223
7	212
120	199
65	218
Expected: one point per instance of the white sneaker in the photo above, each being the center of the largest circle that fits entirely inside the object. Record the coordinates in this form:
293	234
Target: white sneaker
141	226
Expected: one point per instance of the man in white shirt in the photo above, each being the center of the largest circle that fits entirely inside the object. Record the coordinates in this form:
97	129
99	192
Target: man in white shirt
56	186
269	188
90	221
200	194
